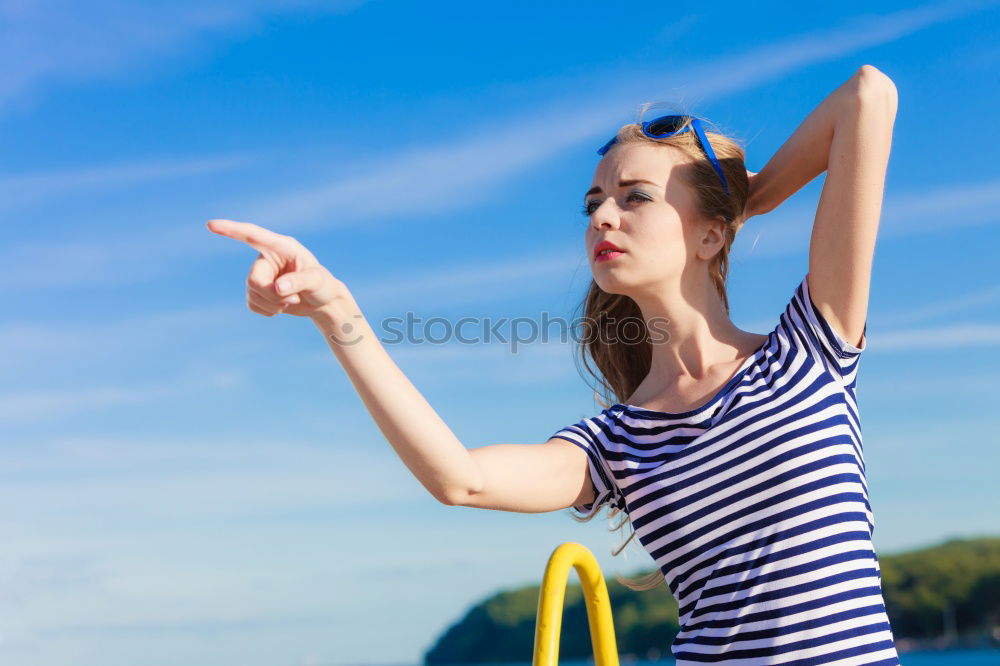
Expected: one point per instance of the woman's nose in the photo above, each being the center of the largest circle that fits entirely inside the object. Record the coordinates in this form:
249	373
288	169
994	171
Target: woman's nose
606	216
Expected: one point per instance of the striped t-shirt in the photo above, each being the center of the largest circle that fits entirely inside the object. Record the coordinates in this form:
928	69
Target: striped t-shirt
755	505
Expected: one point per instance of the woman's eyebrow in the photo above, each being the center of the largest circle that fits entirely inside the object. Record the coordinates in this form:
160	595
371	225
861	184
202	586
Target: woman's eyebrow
623	183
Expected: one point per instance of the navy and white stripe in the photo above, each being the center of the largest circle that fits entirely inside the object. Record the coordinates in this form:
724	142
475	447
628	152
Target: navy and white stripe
755	505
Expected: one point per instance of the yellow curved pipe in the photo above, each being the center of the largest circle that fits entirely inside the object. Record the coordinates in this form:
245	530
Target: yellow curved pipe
550	606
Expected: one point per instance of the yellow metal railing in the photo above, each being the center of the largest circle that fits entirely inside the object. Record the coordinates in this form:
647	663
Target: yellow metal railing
550	606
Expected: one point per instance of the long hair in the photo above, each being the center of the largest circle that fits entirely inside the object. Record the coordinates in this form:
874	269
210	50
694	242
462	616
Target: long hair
622	358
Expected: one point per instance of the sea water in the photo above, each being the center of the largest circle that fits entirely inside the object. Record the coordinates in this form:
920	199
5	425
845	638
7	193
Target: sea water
935	658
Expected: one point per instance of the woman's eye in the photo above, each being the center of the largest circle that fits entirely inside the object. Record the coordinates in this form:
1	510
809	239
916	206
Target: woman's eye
589	207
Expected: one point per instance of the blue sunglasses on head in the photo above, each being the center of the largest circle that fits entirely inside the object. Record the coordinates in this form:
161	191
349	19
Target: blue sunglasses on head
665	126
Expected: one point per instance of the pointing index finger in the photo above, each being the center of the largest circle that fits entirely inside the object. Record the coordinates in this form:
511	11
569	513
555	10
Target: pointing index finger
253	235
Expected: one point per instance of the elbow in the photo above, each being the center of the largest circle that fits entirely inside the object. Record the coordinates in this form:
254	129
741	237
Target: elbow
876	88
452	496
460	494
869	75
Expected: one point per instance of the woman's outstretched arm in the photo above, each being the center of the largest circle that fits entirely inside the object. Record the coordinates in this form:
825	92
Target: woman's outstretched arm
848	135
526	478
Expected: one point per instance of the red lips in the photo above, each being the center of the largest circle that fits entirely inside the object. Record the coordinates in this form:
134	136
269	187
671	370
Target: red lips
605	245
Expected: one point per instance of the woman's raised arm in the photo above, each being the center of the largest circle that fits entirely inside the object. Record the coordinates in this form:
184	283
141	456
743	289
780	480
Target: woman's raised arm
849	135
805	154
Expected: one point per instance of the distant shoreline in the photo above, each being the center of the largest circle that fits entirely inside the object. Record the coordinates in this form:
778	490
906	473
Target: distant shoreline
949	643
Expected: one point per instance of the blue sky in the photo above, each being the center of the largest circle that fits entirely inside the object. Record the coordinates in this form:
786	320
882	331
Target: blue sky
186	482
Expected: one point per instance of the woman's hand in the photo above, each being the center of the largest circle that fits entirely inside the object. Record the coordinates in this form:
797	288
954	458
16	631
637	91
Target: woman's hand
285	277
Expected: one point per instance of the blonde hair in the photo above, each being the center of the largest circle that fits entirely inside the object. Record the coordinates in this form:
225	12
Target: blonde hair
622	363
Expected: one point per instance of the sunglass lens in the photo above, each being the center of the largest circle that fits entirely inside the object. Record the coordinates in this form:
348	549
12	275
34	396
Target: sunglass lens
666	125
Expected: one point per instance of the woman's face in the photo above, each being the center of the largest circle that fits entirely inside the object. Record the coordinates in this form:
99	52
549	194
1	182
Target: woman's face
640	201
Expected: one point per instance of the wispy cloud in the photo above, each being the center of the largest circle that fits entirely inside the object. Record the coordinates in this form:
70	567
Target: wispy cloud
222	479
455	173
748	69
447	175
938	337
33	405
51	42
479	282
22	189
900	387
787	229
964	301
79	367
888	332
119	258
36	343
463	170
938	208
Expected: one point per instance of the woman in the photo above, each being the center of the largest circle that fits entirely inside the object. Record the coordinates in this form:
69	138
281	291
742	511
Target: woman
735	456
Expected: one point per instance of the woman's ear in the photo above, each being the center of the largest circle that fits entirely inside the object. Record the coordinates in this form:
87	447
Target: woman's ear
713	239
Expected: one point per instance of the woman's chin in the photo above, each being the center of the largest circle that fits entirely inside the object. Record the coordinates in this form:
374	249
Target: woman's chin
609	285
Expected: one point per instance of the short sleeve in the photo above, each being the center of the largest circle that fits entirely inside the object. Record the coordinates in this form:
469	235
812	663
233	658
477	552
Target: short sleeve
585	434
806	328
